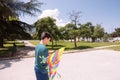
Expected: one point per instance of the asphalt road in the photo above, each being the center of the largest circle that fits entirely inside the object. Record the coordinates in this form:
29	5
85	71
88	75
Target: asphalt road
89	65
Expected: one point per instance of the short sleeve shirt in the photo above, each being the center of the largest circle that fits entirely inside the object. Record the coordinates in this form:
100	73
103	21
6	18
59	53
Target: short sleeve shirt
41	54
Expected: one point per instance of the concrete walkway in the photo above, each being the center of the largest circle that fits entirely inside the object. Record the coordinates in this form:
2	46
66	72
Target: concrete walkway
27	51
89	65
27	43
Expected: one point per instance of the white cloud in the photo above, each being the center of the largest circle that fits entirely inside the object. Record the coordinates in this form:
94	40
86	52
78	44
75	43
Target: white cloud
54	13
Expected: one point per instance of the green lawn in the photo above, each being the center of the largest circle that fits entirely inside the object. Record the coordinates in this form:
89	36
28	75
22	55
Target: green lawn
116	48
80	45
7	50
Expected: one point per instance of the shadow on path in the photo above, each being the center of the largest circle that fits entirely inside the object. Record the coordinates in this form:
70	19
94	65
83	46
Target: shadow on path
25	51
7	63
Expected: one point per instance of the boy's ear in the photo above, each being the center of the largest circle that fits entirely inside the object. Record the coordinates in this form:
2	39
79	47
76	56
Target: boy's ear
50	39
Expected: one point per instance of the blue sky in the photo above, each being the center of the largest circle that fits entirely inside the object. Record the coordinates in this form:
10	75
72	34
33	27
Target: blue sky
104	12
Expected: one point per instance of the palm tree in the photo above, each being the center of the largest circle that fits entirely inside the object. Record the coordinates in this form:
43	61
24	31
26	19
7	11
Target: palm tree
15	8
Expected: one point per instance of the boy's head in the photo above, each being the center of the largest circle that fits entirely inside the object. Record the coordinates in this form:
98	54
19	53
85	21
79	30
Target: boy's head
46	37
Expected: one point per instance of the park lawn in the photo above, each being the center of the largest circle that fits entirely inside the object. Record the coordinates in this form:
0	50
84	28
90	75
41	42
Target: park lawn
7	50
116	48
80	45
17	43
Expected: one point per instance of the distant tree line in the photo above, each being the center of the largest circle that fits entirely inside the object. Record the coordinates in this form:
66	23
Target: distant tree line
11	28
73	30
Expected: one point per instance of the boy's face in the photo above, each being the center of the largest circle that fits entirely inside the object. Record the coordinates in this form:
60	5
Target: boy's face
47	40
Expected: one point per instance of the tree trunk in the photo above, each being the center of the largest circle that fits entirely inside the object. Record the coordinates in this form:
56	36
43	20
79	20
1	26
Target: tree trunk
71	39
1	41
75	42
78	39
93	39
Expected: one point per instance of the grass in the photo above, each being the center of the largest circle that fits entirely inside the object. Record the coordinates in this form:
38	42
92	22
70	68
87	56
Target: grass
10	43
80	45
7	50
116	48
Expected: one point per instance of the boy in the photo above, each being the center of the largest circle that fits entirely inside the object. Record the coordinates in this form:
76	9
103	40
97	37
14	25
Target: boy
41	54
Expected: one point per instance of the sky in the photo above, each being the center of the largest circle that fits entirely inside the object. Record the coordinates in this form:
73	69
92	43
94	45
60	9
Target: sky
104	12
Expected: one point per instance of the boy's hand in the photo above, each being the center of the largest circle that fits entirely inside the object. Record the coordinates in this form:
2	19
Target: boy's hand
51	51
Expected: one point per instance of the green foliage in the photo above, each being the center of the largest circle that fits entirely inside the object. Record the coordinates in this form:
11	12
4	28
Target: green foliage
68	31
116	33
15	30
106	37
10	26
98	31
89	31
47	24
16	7
85	31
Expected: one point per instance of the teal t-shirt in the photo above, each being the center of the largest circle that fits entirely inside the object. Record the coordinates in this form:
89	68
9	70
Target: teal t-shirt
41	54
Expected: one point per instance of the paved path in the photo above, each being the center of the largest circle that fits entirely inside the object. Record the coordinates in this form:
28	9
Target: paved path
27	51
27	43
89	65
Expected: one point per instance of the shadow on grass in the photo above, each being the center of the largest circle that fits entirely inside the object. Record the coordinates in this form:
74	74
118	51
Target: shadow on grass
84	47
5	52
79	48
55	47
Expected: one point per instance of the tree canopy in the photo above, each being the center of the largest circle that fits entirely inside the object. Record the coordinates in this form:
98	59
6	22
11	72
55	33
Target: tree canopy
10	28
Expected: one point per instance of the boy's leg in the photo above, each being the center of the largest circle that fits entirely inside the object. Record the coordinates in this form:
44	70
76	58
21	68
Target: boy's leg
40	76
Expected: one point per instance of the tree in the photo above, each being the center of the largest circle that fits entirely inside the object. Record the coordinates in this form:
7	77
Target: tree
69	28
47	24
74	17
14	8
91	28
89	31
85	30
98	31
63	33
116	33
74	34
106	37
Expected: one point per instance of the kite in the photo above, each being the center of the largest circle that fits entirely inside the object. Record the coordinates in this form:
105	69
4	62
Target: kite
53	62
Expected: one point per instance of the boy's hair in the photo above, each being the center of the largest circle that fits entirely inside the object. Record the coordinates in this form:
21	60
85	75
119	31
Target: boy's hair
45	35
